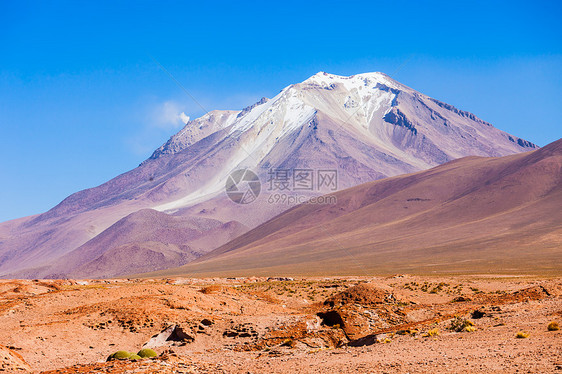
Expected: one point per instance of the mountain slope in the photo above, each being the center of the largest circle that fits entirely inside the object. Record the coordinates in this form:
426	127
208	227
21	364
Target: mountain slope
146	240
473	214
366	127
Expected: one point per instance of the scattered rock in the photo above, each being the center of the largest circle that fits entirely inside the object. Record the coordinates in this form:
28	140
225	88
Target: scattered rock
477	314
11	361
280	279
461	299
169	336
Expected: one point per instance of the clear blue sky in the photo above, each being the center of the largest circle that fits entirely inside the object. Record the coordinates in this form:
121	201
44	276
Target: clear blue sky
81	100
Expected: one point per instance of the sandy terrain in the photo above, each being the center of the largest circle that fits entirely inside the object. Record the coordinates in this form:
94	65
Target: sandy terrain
305	325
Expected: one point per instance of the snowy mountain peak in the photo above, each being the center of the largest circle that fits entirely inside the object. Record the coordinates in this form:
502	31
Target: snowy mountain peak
383	113
357	81
378	126
297	102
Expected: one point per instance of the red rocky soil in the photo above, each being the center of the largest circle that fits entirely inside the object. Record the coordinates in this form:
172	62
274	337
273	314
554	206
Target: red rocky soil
400	324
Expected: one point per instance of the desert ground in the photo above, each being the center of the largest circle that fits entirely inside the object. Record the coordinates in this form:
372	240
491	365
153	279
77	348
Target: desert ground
395	324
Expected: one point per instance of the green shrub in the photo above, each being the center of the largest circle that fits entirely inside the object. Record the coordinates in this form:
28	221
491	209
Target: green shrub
553	326
147	353
119	355
135	357
522	335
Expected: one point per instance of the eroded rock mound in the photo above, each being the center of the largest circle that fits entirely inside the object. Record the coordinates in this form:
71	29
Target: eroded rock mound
362	309
364	294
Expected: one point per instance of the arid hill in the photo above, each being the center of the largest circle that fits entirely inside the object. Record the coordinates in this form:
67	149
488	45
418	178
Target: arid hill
470	215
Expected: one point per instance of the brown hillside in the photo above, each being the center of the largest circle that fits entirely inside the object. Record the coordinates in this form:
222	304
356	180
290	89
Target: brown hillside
470	215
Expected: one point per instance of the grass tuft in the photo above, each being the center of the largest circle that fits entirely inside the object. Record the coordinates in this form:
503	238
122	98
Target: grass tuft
432	332
460	324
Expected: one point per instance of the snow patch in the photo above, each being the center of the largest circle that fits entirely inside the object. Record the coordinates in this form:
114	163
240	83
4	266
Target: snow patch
353	82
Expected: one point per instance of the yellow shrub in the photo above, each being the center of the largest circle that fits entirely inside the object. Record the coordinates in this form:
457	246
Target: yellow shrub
432	332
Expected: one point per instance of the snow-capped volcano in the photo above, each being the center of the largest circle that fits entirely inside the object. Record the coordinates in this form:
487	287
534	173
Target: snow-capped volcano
365	126
389	129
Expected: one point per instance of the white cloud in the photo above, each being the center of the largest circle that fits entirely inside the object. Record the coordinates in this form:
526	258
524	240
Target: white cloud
184	118
168	116
158	118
